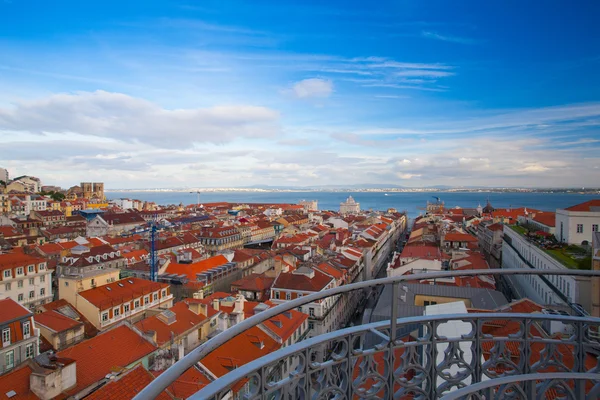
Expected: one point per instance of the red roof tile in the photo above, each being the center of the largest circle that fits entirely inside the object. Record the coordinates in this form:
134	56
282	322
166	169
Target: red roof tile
126	386
196	268
185	320
300	281
545	218
55	321
96	357
188	383
243	348
17	380
590	205
10	310
111	294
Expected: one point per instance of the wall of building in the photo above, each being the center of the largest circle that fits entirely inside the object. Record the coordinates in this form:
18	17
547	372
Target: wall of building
421	299
566	226
577	290
68	287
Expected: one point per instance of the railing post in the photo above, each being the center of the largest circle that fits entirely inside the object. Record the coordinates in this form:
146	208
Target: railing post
394	312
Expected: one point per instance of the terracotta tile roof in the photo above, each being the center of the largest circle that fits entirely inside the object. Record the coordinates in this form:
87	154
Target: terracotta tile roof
495	227
545	218
196	268
10	310
422	252
330	270
243	348
126	386
115	293
298	281
188	383
96	357
285	324
18	259
590	205
185	319
17	380
60	305
254	283
459	237
56	321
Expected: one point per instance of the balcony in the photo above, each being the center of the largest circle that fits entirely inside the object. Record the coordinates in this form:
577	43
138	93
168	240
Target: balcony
475	355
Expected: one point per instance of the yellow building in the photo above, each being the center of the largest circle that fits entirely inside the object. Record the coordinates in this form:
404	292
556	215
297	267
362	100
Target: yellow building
70	285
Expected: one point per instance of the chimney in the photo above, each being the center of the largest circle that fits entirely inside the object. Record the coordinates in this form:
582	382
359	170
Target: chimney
198	308
199	295
239	304
216	304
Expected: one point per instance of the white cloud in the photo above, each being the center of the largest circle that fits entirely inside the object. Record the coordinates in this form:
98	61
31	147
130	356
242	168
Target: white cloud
313	87
126	118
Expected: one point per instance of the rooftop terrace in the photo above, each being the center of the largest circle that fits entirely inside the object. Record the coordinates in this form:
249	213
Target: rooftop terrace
571	256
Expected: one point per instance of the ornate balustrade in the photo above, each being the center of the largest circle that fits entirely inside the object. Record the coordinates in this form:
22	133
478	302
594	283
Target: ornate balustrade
458	356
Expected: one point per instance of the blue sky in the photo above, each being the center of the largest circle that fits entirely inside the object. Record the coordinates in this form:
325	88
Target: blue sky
234	93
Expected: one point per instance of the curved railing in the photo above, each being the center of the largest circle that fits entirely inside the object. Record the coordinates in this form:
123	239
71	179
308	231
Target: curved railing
369	361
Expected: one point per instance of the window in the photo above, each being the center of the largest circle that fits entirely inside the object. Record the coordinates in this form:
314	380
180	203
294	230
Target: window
288	296
26	329
104	317
5	336
31	294
32	281
7	287
42	267
276	295
20	271
9	359
146	300
126	308
116	311
429	303
42	278
136	304
311	311
93	282
20	284
7	273
311	325
595	228
155	296
31	268
21	297
579	228
29	351
164	293
42	292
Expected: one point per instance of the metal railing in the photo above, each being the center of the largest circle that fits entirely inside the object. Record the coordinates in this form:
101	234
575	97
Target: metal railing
370	361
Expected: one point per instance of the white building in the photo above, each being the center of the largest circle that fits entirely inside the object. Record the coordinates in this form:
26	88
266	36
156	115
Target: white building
25	279
324	315
415	259
310	205
350	206
124	204
576	224
519	252
32	184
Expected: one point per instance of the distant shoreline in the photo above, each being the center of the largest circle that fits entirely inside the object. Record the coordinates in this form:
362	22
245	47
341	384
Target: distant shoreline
357	190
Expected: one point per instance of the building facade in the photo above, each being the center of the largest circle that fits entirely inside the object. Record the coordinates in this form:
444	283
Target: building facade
25	279
577	224
520	252
20	338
